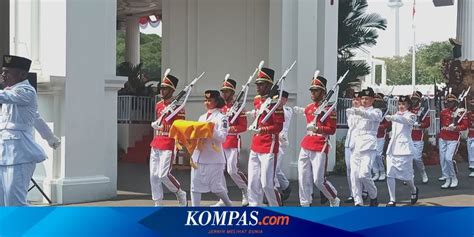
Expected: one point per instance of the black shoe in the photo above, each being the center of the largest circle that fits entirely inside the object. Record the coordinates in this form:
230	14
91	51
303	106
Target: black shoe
391	204
374	202
350	199
265	201
365	195
285	194
414	197
324	199
358	205
405	183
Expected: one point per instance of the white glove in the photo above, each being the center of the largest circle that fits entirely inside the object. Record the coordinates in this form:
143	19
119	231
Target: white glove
417	125
358	112
255	130
250	113
311	127
283	139
389	117
451	127
432	140
54	143
299	110
156	125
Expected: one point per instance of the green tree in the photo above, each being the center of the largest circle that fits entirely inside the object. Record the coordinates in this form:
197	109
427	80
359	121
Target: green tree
150	54
357	29
428	64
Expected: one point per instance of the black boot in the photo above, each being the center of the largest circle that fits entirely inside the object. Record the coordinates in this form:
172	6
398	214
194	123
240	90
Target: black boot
374	202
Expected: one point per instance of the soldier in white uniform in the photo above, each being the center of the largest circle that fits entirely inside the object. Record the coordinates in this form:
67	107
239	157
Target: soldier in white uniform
349	143
365	148
19	152
209	156
400	150
283	183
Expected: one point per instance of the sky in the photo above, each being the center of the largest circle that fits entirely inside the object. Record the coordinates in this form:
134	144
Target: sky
432	24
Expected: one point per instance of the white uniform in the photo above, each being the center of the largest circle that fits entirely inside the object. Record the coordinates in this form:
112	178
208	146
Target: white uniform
400	151
210	159
283	182
365	150
19	153
350	143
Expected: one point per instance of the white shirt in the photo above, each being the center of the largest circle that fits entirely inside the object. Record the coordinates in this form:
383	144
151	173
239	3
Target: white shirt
209	150
19	114
401	142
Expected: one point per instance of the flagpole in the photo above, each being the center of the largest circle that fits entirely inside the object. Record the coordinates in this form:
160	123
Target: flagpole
413	65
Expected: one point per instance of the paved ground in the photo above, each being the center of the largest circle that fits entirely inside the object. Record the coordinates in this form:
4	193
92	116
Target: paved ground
136	192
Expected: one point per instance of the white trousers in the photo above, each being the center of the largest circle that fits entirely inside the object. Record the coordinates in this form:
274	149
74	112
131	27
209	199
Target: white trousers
232	160
161	162
14	182
470	151
447	151
347	158
377	162
283	182
361	176
261	171
311	170
418	155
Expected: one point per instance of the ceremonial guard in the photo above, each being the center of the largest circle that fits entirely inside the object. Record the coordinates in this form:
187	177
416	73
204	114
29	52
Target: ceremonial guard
349	142
265	145
400	150
19	151
378	167
312	161
163	150
233	142
452	123
365	148
470	137
422	123
283	183
209	157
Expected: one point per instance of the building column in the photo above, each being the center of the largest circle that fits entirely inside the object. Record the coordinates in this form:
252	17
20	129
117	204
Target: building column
132	40
327	19
465	28
86	169
4	27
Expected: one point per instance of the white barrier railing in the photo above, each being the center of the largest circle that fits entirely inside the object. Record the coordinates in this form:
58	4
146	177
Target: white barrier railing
135	109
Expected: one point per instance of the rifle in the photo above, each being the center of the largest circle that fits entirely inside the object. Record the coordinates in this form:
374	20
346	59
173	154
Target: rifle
173	108
460	112
324	103
266	104
241	99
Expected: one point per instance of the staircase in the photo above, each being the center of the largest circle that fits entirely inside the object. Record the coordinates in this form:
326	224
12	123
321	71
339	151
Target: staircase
140	152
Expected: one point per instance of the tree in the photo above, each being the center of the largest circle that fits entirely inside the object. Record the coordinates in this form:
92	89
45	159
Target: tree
428	64
357	30
150	54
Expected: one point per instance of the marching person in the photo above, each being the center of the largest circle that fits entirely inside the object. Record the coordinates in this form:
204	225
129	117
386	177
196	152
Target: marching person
418	134
19	151
349	143
400	150
209	156
265	144
449	138
378	167
163	147
470	137
233	142
365	148
283	183
312	160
